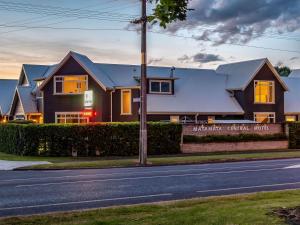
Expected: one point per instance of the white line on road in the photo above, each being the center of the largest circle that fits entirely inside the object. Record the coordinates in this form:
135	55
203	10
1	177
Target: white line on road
89	201
248	187
147	177
136	173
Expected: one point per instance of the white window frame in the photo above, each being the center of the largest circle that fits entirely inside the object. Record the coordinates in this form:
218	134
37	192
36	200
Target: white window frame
63	76
274	116
72	113
273	92
122	92
160	82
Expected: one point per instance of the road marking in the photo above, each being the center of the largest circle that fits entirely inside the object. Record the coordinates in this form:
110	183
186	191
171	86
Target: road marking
88	201
293	167
146	177
132	173
249	187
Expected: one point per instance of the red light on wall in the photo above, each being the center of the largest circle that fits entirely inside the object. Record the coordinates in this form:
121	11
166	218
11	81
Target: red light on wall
89	113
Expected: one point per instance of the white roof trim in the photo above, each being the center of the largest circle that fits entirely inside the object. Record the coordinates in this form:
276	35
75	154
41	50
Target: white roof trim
67	57
16	92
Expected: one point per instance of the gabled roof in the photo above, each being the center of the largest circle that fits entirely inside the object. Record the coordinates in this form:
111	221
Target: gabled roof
295	73
33	72
7	89
27	99
291	97
240	74
24	95
100	77
196	91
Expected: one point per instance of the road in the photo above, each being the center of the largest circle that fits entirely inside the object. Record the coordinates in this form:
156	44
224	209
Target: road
31	192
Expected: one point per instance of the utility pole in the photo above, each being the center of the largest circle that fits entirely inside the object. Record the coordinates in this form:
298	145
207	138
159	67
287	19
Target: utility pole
143	92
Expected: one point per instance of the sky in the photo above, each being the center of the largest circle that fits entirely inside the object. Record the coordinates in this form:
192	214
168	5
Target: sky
215	32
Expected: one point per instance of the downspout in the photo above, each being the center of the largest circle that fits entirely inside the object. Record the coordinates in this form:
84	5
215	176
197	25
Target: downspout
111	105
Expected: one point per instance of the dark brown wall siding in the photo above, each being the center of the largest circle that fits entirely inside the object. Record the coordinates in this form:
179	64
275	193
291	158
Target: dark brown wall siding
117	117
246	98
75	103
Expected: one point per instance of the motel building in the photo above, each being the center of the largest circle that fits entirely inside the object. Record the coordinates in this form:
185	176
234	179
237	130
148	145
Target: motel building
77	90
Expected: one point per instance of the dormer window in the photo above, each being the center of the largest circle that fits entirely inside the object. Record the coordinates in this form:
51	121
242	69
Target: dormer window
160	87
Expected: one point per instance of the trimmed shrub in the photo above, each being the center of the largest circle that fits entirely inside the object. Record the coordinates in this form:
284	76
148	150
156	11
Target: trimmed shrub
233	138
294	135
106	139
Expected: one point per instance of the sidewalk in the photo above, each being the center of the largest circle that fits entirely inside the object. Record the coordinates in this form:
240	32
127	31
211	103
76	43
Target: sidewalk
10	165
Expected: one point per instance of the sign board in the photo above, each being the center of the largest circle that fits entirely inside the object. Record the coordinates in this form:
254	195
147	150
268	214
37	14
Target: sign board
231	129
88	99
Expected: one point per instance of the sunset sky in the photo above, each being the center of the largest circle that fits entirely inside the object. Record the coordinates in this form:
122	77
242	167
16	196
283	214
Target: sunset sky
216	32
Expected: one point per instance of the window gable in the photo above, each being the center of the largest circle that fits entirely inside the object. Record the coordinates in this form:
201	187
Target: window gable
70	84
160	86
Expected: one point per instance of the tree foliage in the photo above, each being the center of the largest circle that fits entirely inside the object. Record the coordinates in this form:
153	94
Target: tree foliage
283	71
168	11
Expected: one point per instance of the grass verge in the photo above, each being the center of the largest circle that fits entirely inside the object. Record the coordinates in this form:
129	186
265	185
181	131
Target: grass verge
94	162
252	209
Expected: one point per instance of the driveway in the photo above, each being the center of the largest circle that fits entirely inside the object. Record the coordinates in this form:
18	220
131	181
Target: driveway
10	165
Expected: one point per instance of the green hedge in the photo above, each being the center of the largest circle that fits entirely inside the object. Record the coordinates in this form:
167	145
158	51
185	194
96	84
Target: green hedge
233	138
110	139
294	135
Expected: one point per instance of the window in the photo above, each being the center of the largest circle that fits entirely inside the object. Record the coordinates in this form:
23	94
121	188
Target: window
264	92
70	117
126	102
39	83
174	119
70	84
264	117
160	86
290	118
211	120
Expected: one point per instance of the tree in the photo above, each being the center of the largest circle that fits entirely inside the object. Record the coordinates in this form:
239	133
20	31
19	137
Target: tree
168	11
283	71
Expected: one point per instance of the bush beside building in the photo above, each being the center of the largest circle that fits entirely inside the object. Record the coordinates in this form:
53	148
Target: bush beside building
106	139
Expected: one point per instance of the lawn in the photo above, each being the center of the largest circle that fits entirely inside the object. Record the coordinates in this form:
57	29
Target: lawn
97	162
252	209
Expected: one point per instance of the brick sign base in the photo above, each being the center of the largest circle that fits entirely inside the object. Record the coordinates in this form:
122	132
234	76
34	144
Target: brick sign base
238	146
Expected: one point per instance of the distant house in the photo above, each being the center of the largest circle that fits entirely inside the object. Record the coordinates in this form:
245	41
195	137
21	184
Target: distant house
77	90
7	90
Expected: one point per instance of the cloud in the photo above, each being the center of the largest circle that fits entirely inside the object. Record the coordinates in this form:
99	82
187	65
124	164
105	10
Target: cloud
294	58
241	21
152	61
200	58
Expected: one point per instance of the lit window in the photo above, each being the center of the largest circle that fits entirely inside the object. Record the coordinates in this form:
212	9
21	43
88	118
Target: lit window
126	102
39	83
264	92
174	119
290	118
211	119
71	117
264	117
70	84
160	86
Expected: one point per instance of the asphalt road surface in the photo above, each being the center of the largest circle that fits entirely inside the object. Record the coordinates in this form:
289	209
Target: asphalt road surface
31	192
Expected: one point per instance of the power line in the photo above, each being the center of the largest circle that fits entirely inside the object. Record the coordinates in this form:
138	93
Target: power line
75	10
123	6
155	32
